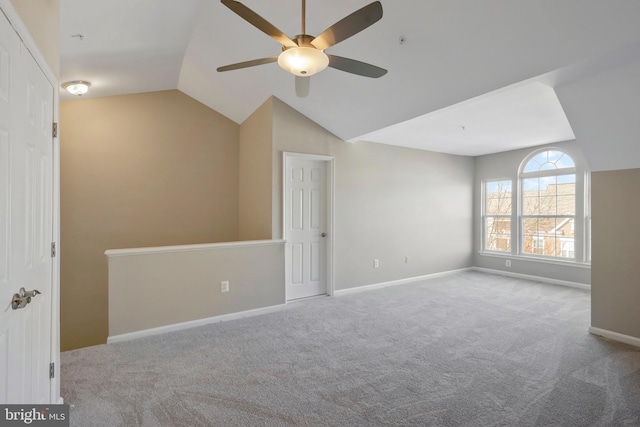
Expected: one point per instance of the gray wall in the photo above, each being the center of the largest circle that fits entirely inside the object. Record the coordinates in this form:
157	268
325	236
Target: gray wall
390	202
615	290
506	166
393	202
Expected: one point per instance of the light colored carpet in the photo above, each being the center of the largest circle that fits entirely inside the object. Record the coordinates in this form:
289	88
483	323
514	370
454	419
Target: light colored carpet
470	349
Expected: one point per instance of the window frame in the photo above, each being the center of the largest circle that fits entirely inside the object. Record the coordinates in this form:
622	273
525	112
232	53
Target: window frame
581	217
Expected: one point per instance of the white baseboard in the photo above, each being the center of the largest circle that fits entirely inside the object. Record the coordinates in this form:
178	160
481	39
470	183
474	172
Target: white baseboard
534	278
615	336
192	324
398	282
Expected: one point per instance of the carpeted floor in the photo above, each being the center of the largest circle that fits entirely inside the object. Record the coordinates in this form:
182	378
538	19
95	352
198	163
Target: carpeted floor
470	349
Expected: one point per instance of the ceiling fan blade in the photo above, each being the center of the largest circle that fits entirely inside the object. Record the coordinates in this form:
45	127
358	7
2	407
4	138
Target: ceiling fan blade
302	86
355	67
247	64
349	26
259	22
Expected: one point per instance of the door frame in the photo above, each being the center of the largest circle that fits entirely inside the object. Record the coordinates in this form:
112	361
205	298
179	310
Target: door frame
6	7
330	189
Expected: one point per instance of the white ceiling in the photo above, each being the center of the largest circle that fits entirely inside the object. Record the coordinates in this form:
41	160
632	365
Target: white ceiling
463	63
511	118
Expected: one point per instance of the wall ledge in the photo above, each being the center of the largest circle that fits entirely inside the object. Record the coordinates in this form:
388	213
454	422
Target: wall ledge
567	283
112	253
192	324
615	336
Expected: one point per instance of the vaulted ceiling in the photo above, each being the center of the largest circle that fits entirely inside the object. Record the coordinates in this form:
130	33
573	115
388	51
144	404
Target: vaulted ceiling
465	76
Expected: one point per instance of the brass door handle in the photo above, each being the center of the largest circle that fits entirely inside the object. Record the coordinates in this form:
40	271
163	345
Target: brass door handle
22	298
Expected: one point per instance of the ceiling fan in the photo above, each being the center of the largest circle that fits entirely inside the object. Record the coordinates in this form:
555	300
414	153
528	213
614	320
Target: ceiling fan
303	55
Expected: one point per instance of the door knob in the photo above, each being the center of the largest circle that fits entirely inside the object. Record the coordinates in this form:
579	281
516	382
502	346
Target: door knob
31	294
21	299
323	235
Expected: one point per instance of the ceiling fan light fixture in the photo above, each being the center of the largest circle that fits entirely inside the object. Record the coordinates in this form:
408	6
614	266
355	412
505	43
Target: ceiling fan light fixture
303	61
77	87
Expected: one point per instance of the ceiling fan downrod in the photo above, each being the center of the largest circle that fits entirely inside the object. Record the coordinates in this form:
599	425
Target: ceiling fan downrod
304	14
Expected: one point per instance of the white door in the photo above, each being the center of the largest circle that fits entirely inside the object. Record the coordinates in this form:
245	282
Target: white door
26	219
306	227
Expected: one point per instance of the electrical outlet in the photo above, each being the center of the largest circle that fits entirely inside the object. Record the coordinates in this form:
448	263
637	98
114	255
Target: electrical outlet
406	260
508	263
376	263
224	286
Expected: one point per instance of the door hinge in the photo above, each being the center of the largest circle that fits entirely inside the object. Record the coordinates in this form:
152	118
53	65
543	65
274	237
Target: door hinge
53	249
55	130
52	370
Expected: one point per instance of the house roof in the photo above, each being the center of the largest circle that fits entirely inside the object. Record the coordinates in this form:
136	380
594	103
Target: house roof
465	77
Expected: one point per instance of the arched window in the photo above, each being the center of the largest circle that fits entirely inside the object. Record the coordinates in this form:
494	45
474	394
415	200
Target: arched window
548	205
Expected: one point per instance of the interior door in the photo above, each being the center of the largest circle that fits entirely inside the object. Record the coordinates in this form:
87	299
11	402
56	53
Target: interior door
306	227
26	220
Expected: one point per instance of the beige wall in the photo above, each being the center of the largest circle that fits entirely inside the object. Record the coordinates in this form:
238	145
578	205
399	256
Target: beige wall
177	285
43	23
256	137
615	266
140	170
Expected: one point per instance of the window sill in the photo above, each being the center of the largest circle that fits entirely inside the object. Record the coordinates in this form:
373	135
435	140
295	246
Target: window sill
536	259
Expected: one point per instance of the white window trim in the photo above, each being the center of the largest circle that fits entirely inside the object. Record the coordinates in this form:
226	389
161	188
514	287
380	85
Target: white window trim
581	218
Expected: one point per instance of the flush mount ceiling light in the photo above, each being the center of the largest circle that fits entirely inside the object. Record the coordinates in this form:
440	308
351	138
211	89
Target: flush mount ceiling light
77	87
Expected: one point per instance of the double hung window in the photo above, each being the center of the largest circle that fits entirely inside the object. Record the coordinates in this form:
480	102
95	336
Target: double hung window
548	205
539	212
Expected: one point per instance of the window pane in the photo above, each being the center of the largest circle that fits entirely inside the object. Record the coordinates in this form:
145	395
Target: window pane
530	226
565	162
549	160
498	198
497	212
498	234
549	236
566	205
567	248
532	242
531	205
547	205
535	163
548	184
530	185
